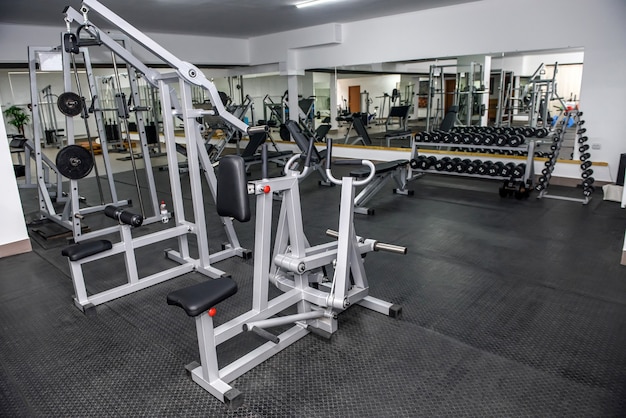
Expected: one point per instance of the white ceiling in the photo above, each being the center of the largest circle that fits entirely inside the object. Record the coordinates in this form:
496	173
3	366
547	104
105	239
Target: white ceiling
224	18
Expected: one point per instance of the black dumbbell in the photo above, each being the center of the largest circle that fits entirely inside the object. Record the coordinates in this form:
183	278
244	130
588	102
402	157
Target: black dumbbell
502	141
582	139
516	140
477	139
449	165
554	146
539	187
472	168
495	168
547	171
483	169
585	156
588	191
440	164
586	173
542	133
581	131
461	166
519	170
489	140
581	122
507	169
583	148
588	182
585	165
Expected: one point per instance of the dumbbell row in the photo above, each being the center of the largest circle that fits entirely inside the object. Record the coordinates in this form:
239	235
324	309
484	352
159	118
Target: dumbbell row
467	166
585	156
474	138
525	131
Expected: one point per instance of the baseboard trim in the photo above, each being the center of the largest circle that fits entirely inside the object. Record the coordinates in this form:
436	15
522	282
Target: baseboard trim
17	247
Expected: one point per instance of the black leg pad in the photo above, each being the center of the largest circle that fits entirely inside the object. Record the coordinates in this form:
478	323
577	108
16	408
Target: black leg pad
200	297
79	251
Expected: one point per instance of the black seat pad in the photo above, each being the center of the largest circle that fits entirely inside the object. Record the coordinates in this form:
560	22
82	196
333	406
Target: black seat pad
380	168
201	297
79	251
270	155
394	134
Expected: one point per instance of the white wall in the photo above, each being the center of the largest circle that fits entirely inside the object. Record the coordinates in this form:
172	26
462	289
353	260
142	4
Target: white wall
12	222
200	50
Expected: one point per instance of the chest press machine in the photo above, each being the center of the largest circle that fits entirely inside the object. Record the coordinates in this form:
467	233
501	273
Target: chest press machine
295	267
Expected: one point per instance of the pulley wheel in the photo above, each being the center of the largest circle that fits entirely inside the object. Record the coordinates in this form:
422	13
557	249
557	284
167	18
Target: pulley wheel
74	162
70	104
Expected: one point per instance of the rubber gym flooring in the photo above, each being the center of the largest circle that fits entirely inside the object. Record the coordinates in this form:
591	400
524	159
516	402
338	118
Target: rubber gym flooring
510	308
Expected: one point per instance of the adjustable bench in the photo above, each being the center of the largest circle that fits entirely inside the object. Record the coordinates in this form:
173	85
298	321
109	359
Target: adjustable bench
397	169
317	158
251	157
402	113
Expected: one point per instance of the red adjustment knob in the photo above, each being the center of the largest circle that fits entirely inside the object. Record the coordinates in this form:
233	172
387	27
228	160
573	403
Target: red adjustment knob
266	189
212	312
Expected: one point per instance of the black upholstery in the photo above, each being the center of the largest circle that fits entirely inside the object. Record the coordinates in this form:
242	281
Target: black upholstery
399	112
380	168
448	120
361	130
321	132
232	191
201	297
398	134
256	140
303	142
85	249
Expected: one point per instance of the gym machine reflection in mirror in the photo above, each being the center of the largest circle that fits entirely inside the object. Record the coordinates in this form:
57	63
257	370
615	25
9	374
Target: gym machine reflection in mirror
321	281
182	228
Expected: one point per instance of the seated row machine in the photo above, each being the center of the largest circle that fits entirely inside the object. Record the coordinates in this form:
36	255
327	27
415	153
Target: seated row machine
295	267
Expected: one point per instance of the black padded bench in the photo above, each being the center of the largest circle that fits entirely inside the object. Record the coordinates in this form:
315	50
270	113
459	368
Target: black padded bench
381	168
79	251
199	298
251	157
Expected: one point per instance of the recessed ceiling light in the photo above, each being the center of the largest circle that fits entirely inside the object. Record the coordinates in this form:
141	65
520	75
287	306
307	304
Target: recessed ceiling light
312	3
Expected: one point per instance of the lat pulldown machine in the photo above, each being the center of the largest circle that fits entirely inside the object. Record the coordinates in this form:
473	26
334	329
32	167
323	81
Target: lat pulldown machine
319	281
172	105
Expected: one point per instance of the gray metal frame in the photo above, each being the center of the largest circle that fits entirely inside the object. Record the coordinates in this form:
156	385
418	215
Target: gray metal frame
198	162
295	268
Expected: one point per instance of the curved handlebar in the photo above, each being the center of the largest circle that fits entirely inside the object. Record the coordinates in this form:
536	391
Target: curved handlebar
292	160
334	180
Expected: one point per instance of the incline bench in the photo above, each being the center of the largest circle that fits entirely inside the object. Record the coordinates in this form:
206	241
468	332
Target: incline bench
402	113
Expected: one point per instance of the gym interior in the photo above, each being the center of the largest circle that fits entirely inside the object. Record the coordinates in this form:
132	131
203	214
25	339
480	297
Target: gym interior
193	189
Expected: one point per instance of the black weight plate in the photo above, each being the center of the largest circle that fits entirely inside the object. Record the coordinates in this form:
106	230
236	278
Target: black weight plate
74	162
70	104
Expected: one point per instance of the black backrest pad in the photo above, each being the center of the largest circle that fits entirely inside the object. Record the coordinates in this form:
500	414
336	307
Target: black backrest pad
232	191
448	120
361	130
399	112
301	140
256	140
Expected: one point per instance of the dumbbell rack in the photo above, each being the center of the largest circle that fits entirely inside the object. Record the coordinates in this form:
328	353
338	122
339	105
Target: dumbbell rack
526	180
586	171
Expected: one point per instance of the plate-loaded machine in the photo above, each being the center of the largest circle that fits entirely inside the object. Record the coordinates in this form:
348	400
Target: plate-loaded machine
182	228
295	267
